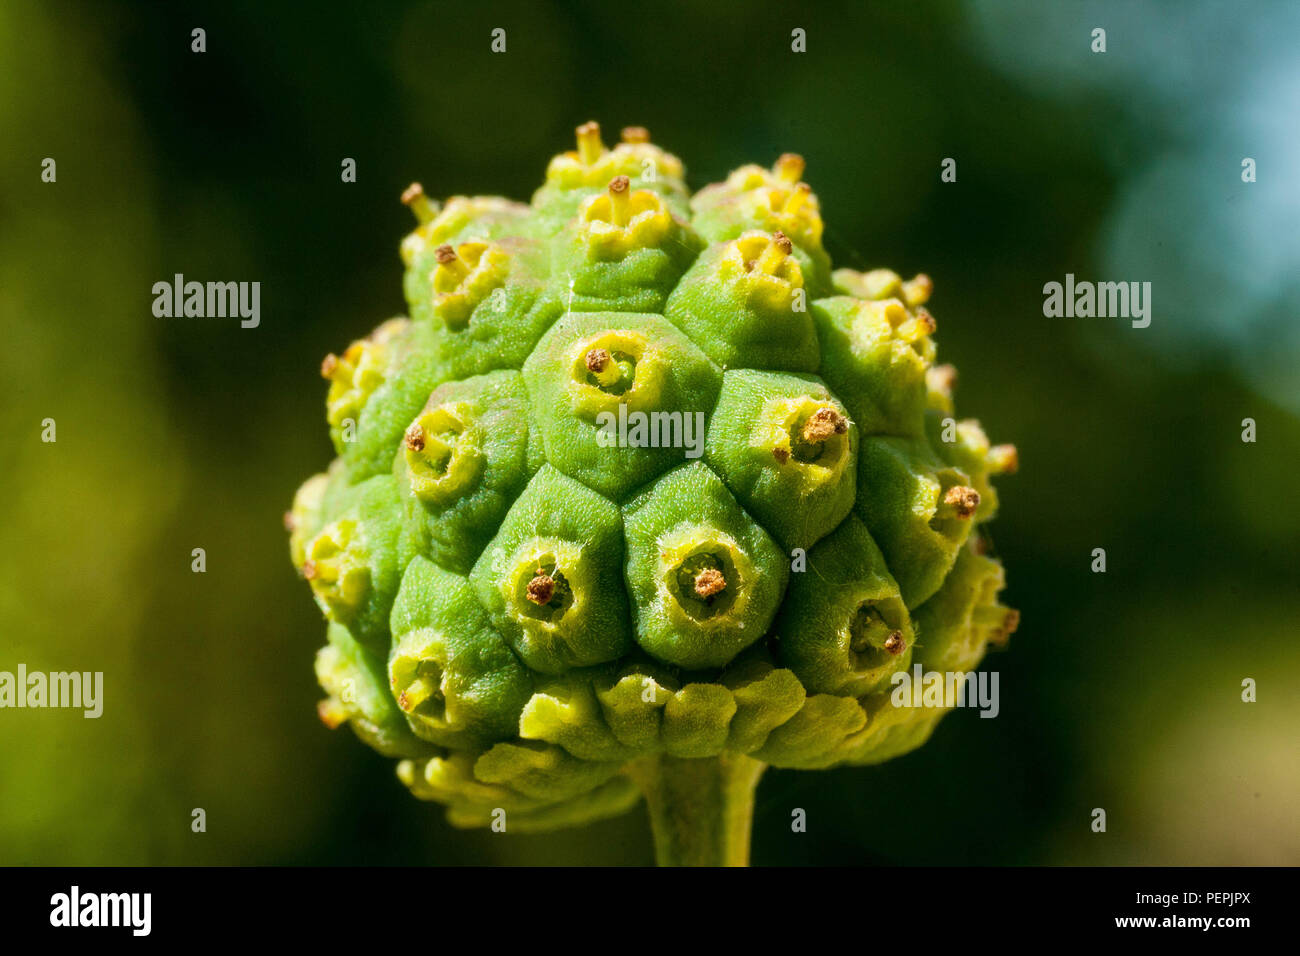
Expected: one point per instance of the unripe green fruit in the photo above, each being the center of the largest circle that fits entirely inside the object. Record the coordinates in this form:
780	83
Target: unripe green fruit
642	498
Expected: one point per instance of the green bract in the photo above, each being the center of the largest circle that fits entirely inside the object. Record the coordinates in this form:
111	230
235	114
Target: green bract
642	498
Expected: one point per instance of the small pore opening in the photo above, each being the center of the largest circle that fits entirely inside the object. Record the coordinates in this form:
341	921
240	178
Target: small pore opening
441	455
612	372
436	454
422	696
872	639
433	440
545	594
706	583
956	506
819	436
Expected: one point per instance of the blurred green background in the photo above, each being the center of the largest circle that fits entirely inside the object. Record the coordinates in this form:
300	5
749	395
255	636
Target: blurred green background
1121	690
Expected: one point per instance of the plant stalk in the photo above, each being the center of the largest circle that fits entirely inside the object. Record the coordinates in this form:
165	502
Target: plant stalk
701	809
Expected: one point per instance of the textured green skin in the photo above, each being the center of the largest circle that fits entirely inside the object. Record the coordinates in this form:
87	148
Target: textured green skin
796	517
844	568
454	534
693	493
599	628
736	332
878	378
436	658
437	616
690	383
903	476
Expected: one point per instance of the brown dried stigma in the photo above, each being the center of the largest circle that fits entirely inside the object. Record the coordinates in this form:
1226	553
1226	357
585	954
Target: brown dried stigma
941	378
590	148
709	582
1003	459
964	500
822	424
413	198
414	437
541	589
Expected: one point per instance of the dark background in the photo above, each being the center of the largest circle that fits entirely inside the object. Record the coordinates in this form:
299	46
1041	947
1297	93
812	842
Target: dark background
1120	691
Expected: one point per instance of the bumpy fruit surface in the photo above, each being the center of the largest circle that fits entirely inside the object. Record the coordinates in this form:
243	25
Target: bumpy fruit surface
643	497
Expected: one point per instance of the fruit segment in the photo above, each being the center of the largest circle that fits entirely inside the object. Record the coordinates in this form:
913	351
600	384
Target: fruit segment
551	579
465	459
624	251
354	563
787	449
357	688
705	579
576	175
744	303
843	627
775	200
876	356
618	399
450	672
917	509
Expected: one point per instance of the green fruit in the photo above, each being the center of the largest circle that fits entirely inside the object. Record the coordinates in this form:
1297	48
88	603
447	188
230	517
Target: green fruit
643	498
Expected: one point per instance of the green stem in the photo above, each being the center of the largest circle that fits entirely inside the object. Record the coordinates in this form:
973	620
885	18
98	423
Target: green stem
701	810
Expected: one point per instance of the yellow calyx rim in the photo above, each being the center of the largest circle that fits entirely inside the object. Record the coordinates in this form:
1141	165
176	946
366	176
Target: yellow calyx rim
703	575
464	276
806	435
354	375
621	219
873	635
886	284
443	453
452	219
615	367
546	585
911	331
766	267
417	675
792	209
306	502
593	164
335	569
786	172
